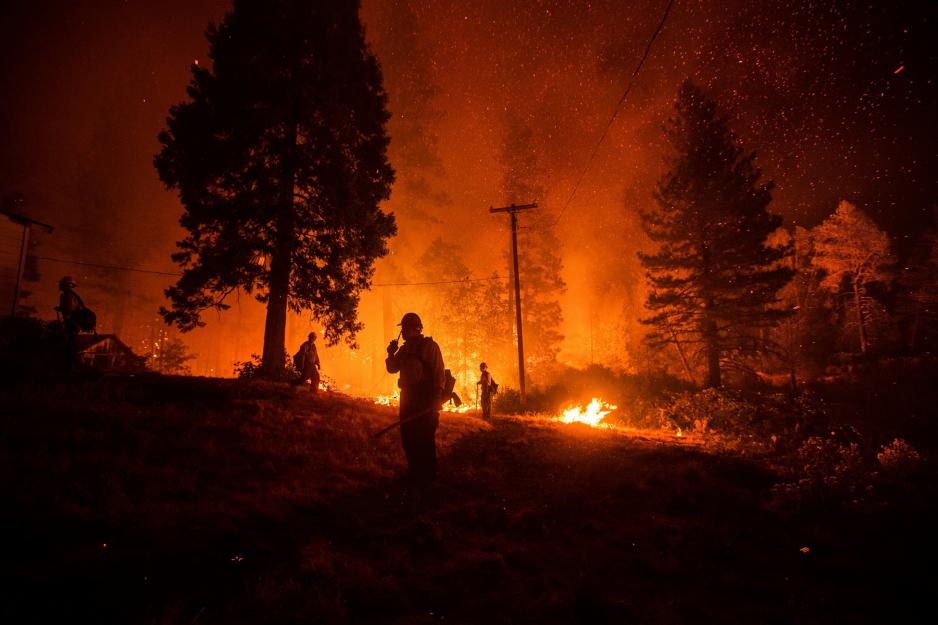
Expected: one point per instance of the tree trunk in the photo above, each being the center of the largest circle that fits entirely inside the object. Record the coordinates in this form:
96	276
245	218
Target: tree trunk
711	340
861	321
281	264
275	326
680	350
713	356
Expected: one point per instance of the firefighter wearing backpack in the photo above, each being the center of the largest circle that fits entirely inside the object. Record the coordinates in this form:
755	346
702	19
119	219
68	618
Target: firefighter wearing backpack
487	387
306	361
75	318
422	383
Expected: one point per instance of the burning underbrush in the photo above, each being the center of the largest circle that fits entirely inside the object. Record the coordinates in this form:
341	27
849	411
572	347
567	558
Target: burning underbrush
393	399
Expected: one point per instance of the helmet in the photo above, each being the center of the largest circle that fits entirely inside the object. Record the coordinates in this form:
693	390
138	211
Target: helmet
67	283
311	336
411	320
483	366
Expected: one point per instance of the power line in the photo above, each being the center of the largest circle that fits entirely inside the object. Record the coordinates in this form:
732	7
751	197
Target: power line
167	273
615	113
100	266
467	279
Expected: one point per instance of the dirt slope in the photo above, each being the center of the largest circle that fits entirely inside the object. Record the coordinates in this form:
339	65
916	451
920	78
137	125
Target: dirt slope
185	501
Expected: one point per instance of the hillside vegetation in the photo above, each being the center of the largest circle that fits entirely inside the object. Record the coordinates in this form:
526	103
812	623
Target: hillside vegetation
184	500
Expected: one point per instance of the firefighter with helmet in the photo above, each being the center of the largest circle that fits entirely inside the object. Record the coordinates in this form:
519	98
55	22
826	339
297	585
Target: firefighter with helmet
70	310
419	362
487	388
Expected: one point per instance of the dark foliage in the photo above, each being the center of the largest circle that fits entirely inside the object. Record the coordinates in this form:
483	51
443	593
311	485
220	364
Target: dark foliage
714	279
253	369
279	158
32	349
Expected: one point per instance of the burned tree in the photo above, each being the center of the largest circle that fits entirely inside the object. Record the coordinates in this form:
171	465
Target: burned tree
714	279
279	158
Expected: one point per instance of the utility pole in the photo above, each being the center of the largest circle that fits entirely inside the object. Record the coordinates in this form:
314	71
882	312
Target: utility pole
513	210
20	268
26	223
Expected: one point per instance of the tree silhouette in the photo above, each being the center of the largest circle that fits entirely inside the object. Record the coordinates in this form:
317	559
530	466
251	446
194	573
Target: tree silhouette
805	340
714	279
455	306
279	158
854	252
539	262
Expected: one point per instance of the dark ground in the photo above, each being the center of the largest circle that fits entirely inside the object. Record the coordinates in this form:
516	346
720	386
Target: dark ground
174	500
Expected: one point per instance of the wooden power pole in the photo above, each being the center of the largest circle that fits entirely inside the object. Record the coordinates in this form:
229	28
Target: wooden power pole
513	210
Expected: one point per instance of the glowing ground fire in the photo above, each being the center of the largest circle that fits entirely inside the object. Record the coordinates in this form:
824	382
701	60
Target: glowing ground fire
389	400
591	415
394	399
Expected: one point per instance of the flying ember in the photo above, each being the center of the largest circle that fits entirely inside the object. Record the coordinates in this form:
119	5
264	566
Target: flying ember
591	415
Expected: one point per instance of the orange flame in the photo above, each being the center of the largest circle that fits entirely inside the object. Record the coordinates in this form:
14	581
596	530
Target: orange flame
451	407
591	415
389	400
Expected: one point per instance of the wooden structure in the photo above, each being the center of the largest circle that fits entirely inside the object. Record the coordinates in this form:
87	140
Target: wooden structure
106	352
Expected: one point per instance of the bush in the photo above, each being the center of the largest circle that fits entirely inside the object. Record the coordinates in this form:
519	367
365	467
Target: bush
826	471
252	370
768	416
829	462
898	458
507	400
711	409
31	348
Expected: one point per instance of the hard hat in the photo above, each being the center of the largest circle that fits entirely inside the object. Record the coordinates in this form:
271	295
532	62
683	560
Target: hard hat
483	366
67	282
411	320
311	335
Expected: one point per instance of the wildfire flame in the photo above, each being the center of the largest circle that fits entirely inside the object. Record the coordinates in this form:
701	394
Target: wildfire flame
394	399
591	415
451	407
389	400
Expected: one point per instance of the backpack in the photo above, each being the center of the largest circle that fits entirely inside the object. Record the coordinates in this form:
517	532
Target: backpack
85	319
298	359
449	383
494	386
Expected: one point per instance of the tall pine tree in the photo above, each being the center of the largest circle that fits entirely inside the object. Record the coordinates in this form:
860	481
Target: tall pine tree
279	158
714	279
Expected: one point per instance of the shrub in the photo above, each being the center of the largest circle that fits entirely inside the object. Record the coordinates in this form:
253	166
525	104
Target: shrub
826	470
898	458
830	462
507	401
252	370
711	409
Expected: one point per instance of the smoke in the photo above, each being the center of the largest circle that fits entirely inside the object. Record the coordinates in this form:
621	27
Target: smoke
811	87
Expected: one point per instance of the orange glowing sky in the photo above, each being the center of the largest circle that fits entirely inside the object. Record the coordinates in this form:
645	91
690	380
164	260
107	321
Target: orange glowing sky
812	87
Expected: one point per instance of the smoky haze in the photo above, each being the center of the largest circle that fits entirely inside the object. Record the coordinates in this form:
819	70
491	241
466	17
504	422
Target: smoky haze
836	98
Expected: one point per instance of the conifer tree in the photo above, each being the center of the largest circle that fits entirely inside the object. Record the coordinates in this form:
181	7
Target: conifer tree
714	279
805	340
279	158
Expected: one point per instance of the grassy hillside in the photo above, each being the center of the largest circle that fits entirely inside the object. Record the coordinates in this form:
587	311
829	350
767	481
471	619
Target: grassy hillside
182	500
